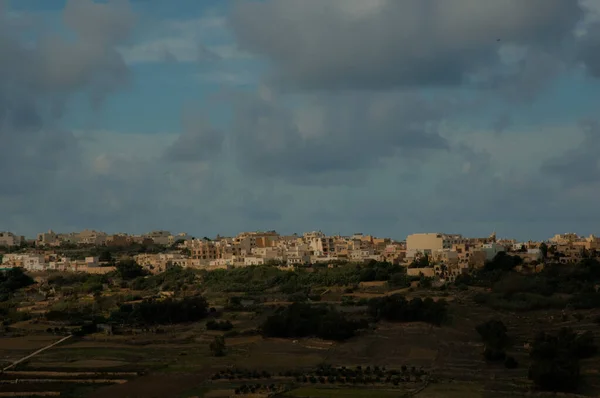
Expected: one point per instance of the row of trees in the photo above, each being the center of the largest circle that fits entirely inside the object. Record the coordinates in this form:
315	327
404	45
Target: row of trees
302	320
397	308
162	312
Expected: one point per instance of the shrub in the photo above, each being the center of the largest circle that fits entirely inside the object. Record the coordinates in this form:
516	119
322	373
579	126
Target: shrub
219	325
302	320
511	363
397	308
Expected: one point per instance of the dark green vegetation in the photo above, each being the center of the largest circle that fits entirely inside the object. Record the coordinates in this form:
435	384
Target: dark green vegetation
323	375
217	346
556	286
12	280
556	359
161	312
257	279
302	320
396	308
493	334
219	325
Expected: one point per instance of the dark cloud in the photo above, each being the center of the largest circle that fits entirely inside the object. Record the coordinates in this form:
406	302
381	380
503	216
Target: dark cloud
588	50
36	82
581	165
342	44
502	122
333	135
199	141
205	54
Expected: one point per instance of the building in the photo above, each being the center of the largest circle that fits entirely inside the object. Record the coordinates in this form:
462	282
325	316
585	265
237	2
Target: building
491	249
47	239
159	237
204	250
91	237
118	240
320	245
179	238
10	240
31	262
427	243
157	263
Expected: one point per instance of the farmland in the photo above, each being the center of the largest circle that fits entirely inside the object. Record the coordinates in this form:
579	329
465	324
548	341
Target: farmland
177	359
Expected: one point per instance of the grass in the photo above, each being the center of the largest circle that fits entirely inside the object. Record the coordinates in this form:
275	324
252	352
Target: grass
314	392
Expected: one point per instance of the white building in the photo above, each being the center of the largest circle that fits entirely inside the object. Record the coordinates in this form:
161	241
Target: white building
31	262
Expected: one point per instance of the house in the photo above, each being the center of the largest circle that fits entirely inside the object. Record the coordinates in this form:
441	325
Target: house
9	239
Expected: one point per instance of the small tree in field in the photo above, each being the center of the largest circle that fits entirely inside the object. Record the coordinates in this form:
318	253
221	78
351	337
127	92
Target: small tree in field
217	347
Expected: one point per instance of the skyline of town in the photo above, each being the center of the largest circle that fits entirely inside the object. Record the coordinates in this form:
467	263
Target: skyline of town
399	238
430	254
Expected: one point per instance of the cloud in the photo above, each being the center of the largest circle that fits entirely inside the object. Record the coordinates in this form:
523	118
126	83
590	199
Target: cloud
331	134
369	119
37	81
202	40
198	142
394	43
579	166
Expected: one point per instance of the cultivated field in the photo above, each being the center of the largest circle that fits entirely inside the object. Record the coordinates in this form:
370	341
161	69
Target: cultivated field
177	362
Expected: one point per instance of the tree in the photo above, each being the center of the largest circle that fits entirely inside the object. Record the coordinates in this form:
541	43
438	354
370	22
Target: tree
12	280
105	256
129	269
217	346
493	334
544	250
555	365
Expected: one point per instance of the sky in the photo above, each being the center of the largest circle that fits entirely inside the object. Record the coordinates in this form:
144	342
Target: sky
386	117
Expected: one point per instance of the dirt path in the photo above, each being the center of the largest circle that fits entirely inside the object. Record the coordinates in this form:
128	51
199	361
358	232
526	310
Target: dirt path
35	353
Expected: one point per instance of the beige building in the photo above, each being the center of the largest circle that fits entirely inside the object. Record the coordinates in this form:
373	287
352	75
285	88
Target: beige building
157	263
9	239
320	244
204	250
47	239
31	262
159	237
91	237
118	240
427	243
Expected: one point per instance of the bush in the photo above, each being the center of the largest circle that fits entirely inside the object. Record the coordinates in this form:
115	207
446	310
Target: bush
217	346
160	312
511	363
555	365
493	355
219	325
302	320
13	280
397	308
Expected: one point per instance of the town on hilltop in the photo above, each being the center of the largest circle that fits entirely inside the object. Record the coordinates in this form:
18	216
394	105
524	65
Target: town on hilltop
444	256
